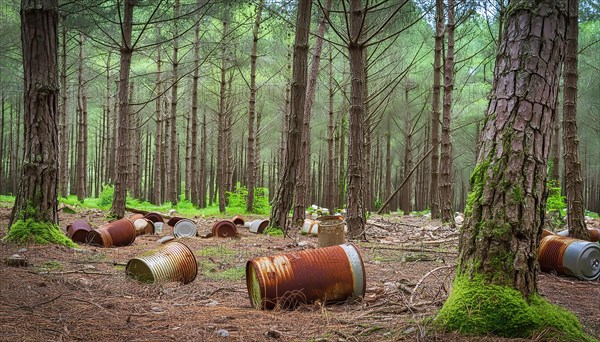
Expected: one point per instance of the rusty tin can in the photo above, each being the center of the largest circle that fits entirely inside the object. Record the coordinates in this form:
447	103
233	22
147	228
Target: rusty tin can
135	217
185	228
238	220
257	226
78	231
224	229
331	230
594	234
143	226
99	237
121	232
154	217
328	274
568	256
173	261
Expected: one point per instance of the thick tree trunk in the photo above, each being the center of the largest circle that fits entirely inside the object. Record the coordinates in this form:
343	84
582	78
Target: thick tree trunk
284	195
407	189
355	215
302	188
556	149
445	186
222	158
81	127
434	199
194	174
108	129
251	167
573	179
331	193
506	206
37	194
120	194
157	194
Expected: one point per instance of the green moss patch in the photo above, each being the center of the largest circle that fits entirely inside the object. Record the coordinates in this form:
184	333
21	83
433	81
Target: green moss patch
476	308
273	231
30	231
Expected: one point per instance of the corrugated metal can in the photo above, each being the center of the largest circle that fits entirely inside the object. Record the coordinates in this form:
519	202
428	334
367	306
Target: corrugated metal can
594	234
331	230
173	261
185	228
568	256
224	229
117	233
78	231
546	232
135	217
328	274
99	237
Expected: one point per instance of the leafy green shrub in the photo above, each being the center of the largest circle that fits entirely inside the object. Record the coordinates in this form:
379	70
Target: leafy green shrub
555	205
106	196
261	201
273	231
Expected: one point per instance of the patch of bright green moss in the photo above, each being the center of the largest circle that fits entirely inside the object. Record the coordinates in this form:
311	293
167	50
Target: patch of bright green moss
273	231
30	231
477	181
476	308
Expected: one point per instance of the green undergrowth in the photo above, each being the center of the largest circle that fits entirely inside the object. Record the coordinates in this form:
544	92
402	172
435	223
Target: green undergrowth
30	231
273	231
476	308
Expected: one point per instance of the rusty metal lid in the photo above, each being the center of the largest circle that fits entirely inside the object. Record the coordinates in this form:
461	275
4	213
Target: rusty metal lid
173	220
238	220
358	269
154	217
185	228
582	259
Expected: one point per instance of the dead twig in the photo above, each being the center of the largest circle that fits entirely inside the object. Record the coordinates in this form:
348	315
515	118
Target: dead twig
30	307
410	299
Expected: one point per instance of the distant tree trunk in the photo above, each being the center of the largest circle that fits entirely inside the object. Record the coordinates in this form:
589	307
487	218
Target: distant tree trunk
445	186
434	199
331	193
388	165
303	175
573	179
367	144
2	181
194	174
407	189
500	237
174	151
157	194
285	117
211	184
63	126
120	194
203	150
81	127
36	197
108	133
222	157
251	168
556	149
342	149
284	196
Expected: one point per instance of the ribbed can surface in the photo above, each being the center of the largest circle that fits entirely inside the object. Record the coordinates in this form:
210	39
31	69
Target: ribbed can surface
333	273
173	261
331	230
570	256
120	233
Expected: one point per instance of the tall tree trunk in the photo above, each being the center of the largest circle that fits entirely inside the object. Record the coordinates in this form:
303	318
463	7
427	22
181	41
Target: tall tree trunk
108	131
194	174
36	197
556	149
174	162
82	128
63	126
222	119
203	176
342	149
573	179
157	196
355	215
445	186
435	114
303	175
407	189
367	144
331	193
251	168
122	139
284	196
506	206
388	166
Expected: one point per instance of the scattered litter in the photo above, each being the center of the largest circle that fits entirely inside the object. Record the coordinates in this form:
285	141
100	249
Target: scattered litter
166	238
22	250
16	260
222	333
257	226
173	261
273	333
224	229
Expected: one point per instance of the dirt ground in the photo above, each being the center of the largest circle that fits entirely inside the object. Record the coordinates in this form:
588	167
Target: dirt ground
84	294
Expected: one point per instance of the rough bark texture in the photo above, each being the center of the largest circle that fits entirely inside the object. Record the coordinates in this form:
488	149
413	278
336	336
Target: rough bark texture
407	189
173	187
556	149
120	194
284	194
445	187
158	197
194	174
251	166
355	215
81	127
37	193
63	127
434	200
331	193
573	178
222	121
506	206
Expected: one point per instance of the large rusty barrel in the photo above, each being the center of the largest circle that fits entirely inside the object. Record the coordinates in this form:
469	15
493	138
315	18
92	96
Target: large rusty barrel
570	256
117	233
333	273
173	261
78	231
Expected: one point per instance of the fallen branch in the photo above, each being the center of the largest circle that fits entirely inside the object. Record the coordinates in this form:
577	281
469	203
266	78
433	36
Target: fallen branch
410	299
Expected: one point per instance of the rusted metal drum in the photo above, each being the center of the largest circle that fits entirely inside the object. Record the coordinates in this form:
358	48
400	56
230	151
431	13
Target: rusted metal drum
329	274
594	234
546	232
310	227
135	216
568	256
173	261
143	226
257	226
78	231
224	229
185	228
121	233
331	230
154	217
238	220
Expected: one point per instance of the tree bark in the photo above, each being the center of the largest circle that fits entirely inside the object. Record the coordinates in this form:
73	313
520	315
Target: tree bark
81	127
157	194
445	186
120	194
331	193
434	200
222	156
37	193
573	178
506	206
282	202
63	126
174	151
251	167
194	174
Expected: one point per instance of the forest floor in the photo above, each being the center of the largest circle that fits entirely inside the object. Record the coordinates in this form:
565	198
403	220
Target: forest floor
84	294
